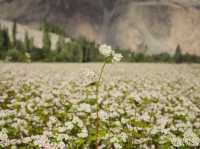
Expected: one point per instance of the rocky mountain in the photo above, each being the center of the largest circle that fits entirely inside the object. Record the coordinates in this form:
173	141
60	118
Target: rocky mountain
140	25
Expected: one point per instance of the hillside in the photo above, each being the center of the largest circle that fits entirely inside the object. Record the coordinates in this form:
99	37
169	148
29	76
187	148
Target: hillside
140	25
35	34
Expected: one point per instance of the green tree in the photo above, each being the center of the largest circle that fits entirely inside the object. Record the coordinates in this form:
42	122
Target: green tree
178	55
26	41
89	50
139	57
60	43
77	52
162	57
15	55
46	40
57	29
31	43
4	42
14	33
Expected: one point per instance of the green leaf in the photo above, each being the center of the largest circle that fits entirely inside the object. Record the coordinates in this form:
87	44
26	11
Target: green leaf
141	124
92	84
165	146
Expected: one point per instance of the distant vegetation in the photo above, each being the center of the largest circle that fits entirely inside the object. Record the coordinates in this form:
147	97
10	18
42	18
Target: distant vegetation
78	50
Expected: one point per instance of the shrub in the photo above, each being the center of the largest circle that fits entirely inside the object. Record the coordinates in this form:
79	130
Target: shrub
14	55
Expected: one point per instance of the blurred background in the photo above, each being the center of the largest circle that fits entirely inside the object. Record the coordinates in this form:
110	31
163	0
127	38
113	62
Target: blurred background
71	30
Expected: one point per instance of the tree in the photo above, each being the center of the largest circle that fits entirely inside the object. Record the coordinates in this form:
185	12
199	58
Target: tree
26	41
60	43
53	28
162	57
46	40
15	56
178	55
139	57
4	42
31	43
77	52
14	33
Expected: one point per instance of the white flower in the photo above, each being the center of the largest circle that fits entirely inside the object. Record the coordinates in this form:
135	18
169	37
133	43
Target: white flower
105	50
69	125
103	115
3	136
42	141
85	108
83	134
117	57
62	129
190	138
117	146
26	140
61	145
145	117
123	136
77	121
176	141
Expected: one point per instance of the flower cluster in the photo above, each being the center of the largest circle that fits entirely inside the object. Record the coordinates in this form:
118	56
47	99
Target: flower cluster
110	54
46	106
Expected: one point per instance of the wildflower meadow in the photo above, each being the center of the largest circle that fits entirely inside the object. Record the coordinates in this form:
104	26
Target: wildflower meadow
106	105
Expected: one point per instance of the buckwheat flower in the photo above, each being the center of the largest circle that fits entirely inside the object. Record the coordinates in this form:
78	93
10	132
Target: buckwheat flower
42	141
53	119
85	108
26	140
62	129
83	134
117	146
176	141
117	57
61	145
103	115
123	120
145	117
190	138
105	50
3	139
77	121
123	136
69	125
3	134
114	139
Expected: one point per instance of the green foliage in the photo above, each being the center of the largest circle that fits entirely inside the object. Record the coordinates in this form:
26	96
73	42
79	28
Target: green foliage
60	43
78	50
52	28
77	54
46	40
37	54
27	42
178	55
14	33
89	50
162	57
5	43
14	55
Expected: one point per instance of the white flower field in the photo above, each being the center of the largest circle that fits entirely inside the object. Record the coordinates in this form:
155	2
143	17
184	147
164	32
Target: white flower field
141	106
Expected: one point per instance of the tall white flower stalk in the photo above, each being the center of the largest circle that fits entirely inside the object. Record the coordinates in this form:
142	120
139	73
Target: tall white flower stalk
109	57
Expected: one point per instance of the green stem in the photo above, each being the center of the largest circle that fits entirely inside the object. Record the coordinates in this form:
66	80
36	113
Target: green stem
97	105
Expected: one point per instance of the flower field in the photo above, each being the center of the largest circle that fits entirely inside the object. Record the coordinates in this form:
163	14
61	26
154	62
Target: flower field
142	106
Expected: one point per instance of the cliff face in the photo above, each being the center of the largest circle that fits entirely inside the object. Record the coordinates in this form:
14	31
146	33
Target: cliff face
140	25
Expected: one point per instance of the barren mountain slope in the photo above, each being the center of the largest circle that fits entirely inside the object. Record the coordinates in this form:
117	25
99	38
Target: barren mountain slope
152	25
